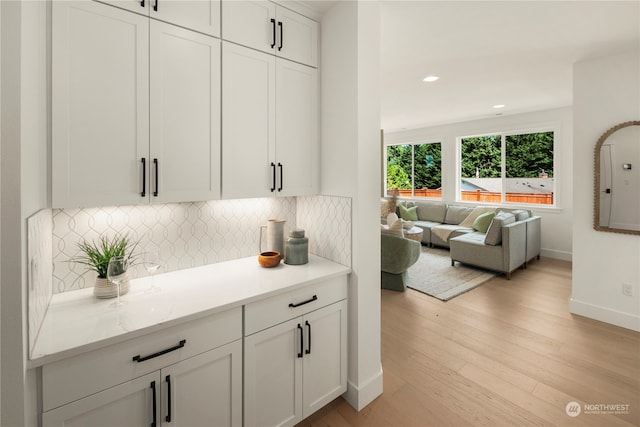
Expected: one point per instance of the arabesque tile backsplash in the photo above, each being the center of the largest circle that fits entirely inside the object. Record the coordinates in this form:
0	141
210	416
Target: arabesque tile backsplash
195	234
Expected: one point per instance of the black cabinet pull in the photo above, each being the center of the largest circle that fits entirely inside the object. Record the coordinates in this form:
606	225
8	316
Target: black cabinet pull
168	417
280	167
155	6
308	350
155	163
144	177
312	299
280	27
301	340
139	358
153	391
273	27
142	3
273	177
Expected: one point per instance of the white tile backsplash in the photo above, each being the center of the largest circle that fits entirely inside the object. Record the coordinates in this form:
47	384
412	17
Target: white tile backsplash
195	234
39	269
187	234
327	224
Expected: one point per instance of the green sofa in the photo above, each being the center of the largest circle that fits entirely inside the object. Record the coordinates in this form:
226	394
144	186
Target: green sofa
397	255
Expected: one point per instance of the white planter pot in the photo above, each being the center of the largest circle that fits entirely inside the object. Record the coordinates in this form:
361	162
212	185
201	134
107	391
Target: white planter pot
105	289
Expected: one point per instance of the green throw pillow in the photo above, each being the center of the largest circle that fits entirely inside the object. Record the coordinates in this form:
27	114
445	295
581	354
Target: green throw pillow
483	221
408	214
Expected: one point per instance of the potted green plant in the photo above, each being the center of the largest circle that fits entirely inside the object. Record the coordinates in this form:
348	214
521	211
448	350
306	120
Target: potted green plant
96	255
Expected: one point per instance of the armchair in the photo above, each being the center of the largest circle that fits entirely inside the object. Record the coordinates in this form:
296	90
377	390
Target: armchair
397	255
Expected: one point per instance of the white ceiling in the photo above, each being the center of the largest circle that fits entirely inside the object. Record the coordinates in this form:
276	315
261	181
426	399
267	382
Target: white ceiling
517	53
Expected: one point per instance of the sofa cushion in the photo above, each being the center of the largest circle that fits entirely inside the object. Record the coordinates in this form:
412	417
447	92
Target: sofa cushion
494	233
483	221
433	212
456	214
520	214
408	213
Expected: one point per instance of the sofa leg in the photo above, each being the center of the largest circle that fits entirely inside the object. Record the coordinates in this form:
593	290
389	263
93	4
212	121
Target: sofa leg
508	274
453	263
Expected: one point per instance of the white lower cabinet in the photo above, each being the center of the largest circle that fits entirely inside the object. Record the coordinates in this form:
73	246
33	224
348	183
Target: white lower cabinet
128	404
294	368
166	384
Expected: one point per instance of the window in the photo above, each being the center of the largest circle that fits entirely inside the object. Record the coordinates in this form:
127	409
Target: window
508	168
415	170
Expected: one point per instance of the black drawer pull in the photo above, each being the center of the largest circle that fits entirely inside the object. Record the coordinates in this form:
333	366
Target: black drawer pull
301	340
168	417
155	407
139	358
155	193
144	177
313	298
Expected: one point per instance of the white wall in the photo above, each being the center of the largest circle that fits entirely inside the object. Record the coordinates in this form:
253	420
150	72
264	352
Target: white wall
556	222
606	93
24	190
350	122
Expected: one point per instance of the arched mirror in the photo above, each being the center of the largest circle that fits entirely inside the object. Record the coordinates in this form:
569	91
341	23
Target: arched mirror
617	180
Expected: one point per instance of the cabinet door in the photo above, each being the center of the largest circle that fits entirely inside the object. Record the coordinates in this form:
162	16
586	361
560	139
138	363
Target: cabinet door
297	146
249	23
185	115
128	404
325	356
100	99
297	37
273	376
198	15
248	122
205	390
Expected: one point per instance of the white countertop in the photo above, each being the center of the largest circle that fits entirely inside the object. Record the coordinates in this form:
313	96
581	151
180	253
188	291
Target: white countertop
77	321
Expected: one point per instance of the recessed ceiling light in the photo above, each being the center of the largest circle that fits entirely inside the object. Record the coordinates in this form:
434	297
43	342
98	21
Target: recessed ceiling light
498	106
430	79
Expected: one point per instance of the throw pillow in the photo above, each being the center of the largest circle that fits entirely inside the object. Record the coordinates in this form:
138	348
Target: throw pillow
391	218
456	214
409	214
394	229
494	233
483	221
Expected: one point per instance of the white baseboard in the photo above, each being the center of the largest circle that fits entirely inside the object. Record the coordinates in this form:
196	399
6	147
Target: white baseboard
360	396
561	255
603	314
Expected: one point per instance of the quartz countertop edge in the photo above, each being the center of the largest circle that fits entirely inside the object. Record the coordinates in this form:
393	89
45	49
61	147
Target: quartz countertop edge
77	322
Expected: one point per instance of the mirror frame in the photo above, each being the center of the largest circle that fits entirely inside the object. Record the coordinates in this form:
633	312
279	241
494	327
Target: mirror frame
596	174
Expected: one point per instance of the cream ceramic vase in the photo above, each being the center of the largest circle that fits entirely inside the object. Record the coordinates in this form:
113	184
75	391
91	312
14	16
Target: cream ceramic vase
105	289
275	236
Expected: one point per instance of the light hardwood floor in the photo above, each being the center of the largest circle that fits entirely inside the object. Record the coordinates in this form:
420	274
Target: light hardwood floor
507	353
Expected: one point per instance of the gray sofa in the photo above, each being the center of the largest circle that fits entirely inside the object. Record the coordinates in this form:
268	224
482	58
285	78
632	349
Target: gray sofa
512	244
502	248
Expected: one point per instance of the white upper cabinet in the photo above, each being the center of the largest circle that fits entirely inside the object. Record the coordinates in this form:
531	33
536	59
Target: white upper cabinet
248	123
271	28
269	125
100	108
199	15
135	107
185	115
297	135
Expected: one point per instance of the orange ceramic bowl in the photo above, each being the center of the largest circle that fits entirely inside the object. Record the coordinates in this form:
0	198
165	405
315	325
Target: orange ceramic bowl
269	259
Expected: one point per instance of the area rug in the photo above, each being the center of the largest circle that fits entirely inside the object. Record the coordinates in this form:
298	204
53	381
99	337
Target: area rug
433	275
